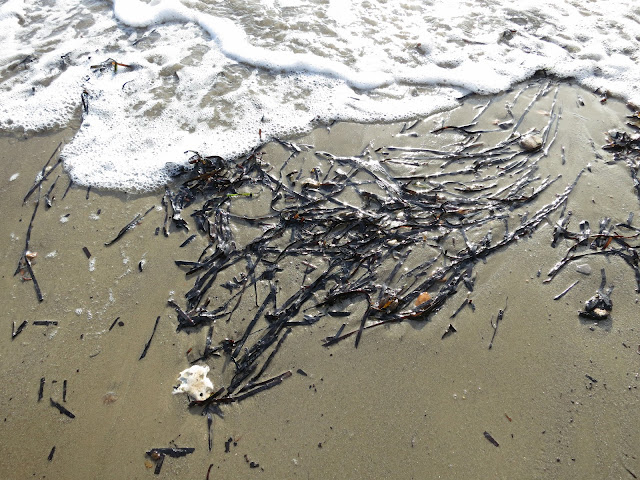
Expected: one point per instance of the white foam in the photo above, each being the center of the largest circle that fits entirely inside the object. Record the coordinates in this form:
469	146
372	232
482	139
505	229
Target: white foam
221	77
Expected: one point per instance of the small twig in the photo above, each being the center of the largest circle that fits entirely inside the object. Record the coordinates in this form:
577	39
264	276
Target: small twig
564	292
498	320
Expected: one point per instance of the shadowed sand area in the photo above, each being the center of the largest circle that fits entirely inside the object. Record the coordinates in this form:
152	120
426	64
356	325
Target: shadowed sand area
556	392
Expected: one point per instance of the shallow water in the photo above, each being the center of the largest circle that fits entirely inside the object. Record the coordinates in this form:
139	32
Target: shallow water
406	403
221	77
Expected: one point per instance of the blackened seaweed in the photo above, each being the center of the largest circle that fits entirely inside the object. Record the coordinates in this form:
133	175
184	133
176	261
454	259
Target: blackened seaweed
53	450
36	286
129	226
41	389
356	255
173	452
450	331
48	199
187	241
114	323
497	324
148	344
15	332
44	174
61	409
45	323
67	189
459	309
488	436
209	423
23	258
159	462
273	353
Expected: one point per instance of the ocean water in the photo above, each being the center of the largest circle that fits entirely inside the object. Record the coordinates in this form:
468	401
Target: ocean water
153	79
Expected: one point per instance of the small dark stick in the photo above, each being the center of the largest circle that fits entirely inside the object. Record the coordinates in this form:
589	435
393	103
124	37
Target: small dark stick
450	331
68	188
43	174
14	332
129	226
464	304
209	423
61	409
488	436
41	390
64	391
159	463
146	347
498	320
114	323
53	450
564	292
86	252
187	241
33	279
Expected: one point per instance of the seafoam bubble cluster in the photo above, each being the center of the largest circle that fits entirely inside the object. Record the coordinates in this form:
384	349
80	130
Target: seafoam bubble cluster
222	76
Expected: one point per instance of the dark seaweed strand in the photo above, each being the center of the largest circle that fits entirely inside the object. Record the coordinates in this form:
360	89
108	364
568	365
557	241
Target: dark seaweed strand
114	323
41	389
148	344
15	332
61	409
67	189
30	227
47	196
24	262
129	226
36	286
43	174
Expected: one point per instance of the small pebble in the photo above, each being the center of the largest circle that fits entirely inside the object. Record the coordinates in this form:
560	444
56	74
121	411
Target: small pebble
531	142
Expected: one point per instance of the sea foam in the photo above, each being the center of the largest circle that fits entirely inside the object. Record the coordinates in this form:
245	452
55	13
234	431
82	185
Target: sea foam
221	77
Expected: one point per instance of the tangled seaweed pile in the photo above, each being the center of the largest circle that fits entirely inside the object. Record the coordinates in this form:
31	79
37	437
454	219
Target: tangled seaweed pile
394	230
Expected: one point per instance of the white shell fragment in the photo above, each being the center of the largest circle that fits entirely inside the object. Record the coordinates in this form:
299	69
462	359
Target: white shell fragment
195	383
584	268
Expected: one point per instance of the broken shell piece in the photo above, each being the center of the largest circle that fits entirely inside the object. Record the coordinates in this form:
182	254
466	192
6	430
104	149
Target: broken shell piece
531	142
422	298
195	383
585	269
30	255
595	314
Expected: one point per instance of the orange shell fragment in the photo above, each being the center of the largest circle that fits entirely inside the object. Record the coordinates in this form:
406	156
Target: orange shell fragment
423	297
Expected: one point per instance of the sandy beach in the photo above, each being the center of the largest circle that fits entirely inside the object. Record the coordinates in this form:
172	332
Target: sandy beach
555	396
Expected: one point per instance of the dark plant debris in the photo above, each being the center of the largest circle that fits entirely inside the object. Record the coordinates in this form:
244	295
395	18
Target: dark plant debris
492	440
382	237
158	455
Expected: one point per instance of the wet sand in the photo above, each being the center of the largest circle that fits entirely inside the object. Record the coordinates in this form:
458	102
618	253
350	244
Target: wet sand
405	404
